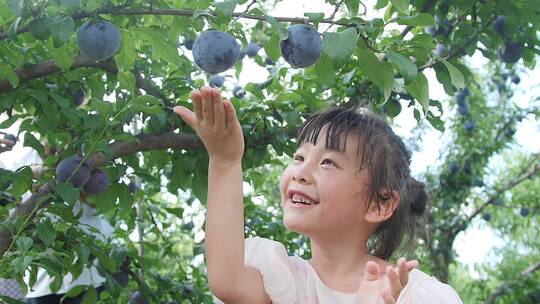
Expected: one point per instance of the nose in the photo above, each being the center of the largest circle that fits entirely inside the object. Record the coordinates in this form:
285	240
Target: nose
302	174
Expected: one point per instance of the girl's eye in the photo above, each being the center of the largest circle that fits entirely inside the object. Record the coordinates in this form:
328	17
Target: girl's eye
328	160
298	157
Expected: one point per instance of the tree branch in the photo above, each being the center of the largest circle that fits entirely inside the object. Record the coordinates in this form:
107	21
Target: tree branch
503	287
116	11
526	174
50	67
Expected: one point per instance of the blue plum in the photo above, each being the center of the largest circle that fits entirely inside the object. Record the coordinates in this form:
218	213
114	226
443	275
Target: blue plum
188	43
216	81
498	25
252	49
238	92
78	97
468	126
66	168
98	182
303	46
516	79
215	52
510	52
98	41
136	298
11	138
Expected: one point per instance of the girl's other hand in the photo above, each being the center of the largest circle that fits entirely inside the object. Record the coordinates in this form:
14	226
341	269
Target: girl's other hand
375	289
215	123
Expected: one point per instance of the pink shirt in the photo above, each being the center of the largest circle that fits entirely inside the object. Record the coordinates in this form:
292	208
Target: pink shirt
292	280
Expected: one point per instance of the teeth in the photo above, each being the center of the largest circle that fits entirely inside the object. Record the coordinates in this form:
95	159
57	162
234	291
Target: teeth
297	198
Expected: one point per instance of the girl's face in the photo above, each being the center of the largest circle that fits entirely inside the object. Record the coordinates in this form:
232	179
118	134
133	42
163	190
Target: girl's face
336	189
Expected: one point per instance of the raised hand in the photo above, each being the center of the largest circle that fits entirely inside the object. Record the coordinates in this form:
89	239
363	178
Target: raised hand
377	288
215	123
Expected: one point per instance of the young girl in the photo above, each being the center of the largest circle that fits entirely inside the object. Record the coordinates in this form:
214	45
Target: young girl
348	189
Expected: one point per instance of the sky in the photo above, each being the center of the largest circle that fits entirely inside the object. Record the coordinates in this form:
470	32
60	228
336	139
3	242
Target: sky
473	245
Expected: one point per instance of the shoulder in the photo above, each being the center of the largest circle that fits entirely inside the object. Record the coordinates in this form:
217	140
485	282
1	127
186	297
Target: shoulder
423	288
277	269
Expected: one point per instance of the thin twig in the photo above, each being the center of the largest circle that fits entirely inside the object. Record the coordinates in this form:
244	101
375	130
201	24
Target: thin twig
334	14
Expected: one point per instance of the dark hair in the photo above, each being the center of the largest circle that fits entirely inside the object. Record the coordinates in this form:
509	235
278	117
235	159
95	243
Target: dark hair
387	160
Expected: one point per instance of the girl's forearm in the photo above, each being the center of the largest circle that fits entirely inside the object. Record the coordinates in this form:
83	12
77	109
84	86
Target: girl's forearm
224	227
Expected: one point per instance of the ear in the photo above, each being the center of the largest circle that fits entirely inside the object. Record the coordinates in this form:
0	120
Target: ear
378	213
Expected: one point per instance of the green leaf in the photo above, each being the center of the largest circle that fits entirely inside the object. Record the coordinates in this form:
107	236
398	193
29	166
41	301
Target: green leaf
46	233
436	122
457	77
271	47
31	141
128	52
68	193
325	70
443	77
63	57
417	20
340	46
352	6
75	291
406	67
176	211
90	297
127	80
16	7
7	72
226	7
161	46
147	104
39	27
62	30
71	4
419	89
24	243
401	5
380	73
315	17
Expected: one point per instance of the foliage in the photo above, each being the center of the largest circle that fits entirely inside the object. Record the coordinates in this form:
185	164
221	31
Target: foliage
125	127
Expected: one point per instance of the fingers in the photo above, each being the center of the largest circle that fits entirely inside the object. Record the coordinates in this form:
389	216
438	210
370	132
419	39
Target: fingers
186	116
219	110
196	97
372	271
207	106
403	269
394	281
388	298
230	114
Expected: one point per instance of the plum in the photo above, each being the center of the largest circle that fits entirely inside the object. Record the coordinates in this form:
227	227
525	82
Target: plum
216	81
66	168
487	216
303	46
498	25
11	138
463	109
524	211
78	97
121	277
98	182
215	52
516	79
510	52
188	43
98	41
468	126
132	187
440	49
252	49
238	92
454	167
136	298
